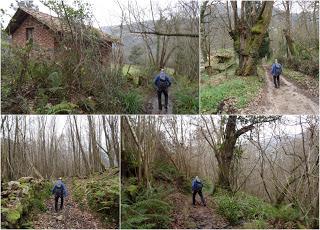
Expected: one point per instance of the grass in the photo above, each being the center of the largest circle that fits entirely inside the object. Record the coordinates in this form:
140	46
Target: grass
186	97
219	87
132	101
255	212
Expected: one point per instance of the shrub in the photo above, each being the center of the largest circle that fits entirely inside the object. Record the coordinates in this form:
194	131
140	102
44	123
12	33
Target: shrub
242	206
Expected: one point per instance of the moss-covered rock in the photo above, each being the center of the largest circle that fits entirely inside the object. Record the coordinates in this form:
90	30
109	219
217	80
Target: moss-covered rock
17	200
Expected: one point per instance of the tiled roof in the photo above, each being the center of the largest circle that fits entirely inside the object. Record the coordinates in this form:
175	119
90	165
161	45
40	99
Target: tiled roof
53	23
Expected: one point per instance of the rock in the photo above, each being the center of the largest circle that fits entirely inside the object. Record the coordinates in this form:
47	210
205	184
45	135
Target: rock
5	194
25	191
13	185
25	179
59	217
16	198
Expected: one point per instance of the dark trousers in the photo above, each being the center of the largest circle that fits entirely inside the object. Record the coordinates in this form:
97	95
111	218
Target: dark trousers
56	201
276	81
165	92
194	197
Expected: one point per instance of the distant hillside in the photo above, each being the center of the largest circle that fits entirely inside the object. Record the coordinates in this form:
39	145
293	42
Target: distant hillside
129	40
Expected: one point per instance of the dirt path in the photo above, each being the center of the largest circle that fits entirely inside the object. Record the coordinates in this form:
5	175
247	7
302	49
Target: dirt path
198	217
71	216
288	99
152	105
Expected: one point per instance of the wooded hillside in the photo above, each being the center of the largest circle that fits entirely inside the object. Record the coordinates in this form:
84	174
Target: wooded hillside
258	172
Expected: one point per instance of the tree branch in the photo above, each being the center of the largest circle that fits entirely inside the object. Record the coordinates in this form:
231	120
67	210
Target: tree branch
166	34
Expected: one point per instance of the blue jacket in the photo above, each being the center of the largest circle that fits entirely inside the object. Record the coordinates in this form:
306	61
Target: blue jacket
273	69
196	185
64	188
157	79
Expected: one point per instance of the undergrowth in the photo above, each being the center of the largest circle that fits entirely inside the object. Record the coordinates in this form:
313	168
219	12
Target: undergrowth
255	212
186	96
101	194
144	208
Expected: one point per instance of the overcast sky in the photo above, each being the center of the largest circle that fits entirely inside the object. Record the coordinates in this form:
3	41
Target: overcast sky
106	12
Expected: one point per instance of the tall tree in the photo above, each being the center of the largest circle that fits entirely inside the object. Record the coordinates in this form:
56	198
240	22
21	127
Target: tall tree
222	137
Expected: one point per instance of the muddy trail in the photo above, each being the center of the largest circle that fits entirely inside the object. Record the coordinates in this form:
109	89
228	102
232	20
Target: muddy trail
152	104
288	99
185	215
70	217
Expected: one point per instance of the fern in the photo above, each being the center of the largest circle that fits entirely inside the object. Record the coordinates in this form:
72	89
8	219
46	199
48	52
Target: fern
62	108
148	211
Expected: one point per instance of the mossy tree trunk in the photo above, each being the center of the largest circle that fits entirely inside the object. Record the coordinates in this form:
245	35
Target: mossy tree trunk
249	32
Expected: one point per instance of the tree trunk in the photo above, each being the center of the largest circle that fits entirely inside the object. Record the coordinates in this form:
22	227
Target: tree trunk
248	41
225	154
203	34
87	166
108	142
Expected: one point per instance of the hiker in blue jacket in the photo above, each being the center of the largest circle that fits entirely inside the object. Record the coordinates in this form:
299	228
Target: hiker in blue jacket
276	71
162	83
197	188
59	191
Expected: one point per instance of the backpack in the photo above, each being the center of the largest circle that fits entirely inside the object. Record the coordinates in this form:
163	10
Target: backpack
59	190
197	186
278	69
162	84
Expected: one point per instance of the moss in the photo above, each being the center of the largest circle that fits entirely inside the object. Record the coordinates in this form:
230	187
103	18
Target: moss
12	216
4	201
132	190
257	29
20	203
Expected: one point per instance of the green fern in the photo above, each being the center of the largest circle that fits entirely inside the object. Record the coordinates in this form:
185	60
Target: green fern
149	210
